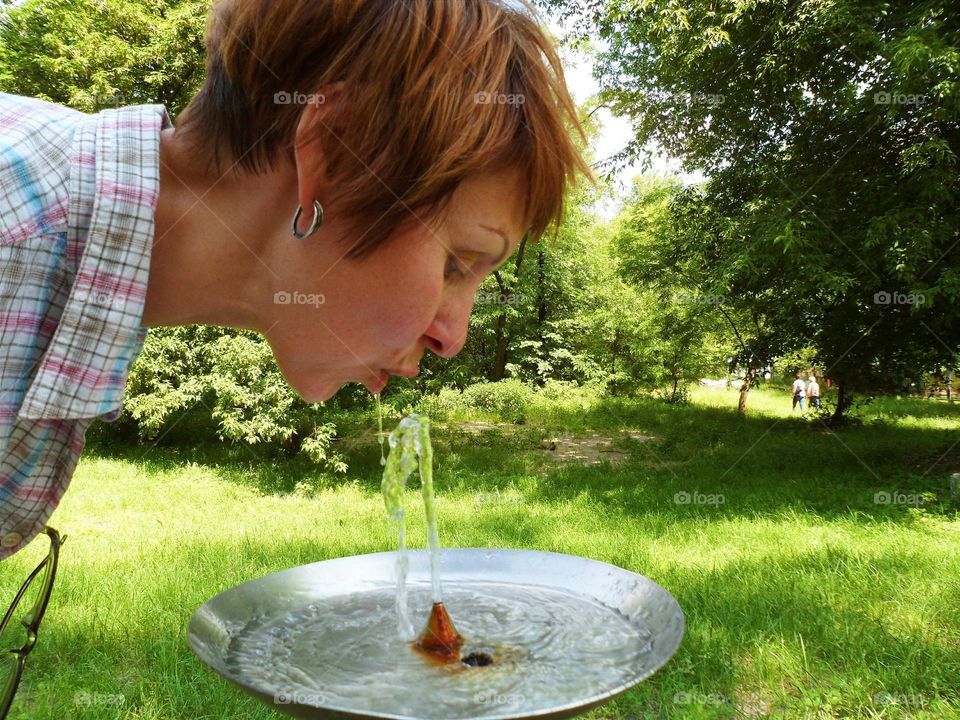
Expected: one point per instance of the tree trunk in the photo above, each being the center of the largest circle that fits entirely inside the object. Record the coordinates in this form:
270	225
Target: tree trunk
500	358
837	416
744	391
614	351
541	308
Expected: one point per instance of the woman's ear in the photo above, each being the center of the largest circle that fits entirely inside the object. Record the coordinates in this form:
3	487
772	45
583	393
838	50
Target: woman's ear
316	118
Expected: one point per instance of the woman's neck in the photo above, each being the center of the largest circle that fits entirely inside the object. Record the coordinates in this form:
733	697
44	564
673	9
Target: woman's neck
209	262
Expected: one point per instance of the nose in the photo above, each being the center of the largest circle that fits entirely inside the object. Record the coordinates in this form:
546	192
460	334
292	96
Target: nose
447	334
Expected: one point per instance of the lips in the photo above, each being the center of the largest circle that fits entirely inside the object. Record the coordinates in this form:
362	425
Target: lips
377	385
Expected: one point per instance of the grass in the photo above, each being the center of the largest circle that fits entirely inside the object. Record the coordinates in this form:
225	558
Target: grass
804	596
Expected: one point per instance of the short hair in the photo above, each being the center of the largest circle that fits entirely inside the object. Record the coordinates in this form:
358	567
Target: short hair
435	91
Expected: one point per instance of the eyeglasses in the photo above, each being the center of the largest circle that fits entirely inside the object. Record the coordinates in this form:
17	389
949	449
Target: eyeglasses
34	595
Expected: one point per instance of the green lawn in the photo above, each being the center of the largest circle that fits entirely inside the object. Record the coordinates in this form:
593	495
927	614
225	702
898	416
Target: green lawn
804	597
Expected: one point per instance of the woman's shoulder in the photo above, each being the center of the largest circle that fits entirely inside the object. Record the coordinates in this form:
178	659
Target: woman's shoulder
19	113
35	145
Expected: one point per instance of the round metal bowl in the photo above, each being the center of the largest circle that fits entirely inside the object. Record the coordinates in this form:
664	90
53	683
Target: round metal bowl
215	629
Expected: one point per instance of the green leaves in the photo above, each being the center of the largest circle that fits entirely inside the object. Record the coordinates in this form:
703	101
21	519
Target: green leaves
92	54
230	378
830	134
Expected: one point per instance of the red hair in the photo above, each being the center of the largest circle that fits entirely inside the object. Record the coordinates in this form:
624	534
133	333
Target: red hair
434	91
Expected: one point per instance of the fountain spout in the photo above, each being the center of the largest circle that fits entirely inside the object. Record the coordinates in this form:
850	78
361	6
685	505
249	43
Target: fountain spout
440	637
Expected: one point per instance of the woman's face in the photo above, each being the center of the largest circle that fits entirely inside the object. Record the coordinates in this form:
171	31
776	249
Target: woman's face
337	320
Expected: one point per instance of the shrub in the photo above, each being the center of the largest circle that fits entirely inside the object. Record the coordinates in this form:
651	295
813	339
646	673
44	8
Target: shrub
230	377
508	399
443	405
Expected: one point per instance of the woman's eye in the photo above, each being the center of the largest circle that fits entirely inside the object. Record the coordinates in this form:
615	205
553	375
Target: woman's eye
466	263
452	266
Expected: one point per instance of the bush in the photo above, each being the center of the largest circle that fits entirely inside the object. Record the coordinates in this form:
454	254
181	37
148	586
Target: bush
230	378
508	399
558	399
441	406
571	395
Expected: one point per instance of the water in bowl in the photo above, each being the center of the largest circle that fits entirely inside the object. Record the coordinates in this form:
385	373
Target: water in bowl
547	648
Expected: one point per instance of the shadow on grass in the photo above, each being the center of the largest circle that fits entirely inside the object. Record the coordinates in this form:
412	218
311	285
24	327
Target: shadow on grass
756	464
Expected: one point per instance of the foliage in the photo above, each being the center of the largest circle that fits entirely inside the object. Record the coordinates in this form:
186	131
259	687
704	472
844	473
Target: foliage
801	359
830	134
94	54
690	331
441	406
230	378
508	399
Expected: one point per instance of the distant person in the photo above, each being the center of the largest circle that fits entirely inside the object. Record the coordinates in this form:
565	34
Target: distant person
813	392
799	392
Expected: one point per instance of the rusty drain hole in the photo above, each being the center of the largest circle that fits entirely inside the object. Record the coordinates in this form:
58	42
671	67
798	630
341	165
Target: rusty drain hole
478	659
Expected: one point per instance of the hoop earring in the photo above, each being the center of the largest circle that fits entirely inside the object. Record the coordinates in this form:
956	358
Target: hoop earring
314	226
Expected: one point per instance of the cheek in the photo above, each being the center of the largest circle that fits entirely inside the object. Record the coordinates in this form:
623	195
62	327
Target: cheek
405	302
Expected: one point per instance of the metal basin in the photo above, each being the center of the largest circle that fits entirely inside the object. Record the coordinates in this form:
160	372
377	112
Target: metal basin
320	640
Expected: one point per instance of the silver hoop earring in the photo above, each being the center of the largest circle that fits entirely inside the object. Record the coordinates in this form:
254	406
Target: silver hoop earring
314	226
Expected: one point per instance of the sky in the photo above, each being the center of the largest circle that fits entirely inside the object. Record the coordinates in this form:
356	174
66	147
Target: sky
615	132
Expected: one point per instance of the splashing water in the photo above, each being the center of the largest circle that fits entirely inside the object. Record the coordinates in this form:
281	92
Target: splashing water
410	447
383	460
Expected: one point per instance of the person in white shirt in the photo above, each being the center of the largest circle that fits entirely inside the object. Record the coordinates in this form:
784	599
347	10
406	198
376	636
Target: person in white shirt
799	392
813	392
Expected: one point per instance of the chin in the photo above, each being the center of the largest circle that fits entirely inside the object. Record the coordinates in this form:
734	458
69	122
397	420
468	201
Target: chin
317	392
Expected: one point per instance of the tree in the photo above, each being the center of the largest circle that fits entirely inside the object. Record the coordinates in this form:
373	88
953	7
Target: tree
672	254
829	133
92	54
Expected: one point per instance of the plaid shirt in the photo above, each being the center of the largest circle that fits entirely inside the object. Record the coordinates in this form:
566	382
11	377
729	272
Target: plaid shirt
77	198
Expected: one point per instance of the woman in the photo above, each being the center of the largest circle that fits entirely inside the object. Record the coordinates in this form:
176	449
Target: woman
798	393
343	181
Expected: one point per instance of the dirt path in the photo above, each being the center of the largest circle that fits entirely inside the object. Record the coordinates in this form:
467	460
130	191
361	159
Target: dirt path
590	449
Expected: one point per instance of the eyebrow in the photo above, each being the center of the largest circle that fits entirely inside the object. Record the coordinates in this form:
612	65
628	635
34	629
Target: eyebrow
506	243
